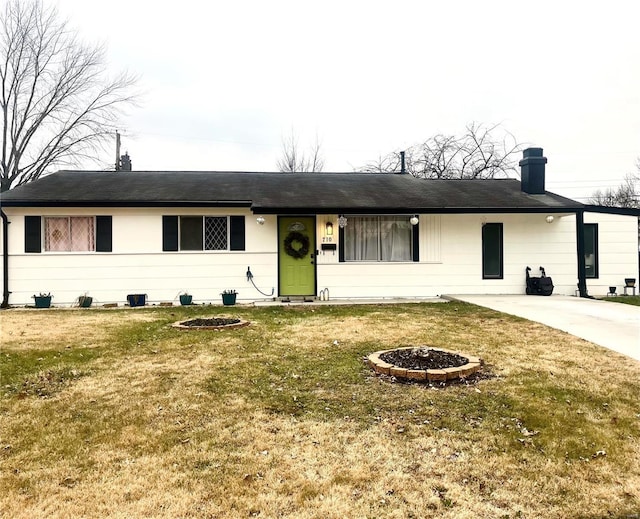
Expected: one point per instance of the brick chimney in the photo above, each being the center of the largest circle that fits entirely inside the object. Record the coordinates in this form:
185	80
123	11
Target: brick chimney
125	162
532	168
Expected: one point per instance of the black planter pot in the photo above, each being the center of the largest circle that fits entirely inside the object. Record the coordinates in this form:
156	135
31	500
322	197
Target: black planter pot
229	299
85	301
137	299
43	301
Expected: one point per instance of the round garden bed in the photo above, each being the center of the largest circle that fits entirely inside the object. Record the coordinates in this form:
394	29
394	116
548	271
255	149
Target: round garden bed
211	323
424	364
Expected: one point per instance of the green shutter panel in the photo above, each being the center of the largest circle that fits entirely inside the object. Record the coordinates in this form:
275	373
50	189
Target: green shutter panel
103	234
33	234
236	235
169	233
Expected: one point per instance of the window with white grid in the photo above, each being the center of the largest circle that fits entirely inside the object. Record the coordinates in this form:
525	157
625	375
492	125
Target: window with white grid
69	233
204	233
215	233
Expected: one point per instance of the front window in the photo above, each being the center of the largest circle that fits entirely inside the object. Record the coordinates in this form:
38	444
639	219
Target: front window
492	251
378	238
69	233
591	249
204	233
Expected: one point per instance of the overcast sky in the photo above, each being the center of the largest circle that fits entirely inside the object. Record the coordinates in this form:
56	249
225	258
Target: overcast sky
225	81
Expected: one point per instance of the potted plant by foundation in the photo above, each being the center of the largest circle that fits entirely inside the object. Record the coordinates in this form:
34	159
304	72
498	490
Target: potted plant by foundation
84	301
137	299
186	299
229	297
43	300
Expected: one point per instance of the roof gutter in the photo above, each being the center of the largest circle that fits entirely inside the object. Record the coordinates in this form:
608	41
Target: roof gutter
626	211
5	260
413	210
126	203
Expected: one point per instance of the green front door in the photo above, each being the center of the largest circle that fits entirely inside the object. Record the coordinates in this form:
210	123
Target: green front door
297	253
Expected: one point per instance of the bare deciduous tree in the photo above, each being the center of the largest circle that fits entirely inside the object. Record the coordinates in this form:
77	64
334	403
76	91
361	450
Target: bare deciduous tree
58	104
293	161
626	194
479	153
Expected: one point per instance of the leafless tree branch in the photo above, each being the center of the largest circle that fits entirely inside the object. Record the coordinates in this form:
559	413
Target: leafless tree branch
477	154
626	194
293	161
57	102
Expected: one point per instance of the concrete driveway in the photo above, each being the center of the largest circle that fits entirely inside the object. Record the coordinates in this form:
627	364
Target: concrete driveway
613	325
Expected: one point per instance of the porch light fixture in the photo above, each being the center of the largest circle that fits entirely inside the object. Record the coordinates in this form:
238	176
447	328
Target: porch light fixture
342	221
328	229
550	218
414	220
260	220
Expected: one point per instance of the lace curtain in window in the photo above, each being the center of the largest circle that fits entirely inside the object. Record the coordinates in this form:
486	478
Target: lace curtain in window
66	234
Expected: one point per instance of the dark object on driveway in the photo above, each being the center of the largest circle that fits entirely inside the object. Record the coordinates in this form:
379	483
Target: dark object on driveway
539	286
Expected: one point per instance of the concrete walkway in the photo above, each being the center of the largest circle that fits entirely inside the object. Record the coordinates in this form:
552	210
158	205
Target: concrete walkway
613	325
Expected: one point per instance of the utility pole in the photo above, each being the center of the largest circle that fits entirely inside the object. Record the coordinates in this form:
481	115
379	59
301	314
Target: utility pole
117	150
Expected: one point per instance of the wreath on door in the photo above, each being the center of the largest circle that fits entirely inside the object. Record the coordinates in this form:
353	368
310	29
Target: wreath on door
293	237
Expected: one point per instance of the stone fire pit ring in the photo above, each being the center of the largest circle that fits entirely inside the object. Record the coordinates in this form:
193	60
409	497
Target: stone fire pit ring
211	323
472	365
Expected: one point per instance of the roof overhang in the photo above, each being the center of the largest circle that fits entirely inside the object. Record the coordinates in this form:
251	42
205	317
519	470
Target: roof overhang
412	210
628	211
128	203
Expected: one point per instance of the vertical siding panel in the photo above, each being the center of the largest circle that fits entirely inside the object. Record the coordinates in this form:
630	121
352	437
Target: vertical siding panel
432	246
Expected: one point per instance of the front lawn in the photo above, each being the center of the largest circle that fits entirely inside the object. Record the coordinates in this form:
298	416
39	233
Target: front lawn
113	413
629	300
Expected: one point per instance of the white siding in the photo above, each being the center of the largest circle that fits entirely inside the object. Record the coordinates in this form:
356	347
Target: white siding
137	264
450	259
617	252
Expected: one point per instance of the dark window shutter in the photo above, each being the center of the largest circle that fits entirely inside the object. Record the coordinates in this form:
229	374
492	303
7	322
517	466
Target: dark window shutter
236	238
103	234
33	234
492	251
591	250
416	242
169	233
341	246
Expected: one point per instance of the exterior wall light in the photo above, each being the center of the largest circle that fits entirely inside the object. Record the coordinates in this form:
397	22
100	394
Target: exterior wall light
414	220
260	220
328	229
550	218
342	221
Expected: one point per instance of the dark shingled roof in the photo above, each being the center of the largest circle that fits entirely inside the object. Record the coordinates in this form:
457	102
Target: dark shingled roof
282	192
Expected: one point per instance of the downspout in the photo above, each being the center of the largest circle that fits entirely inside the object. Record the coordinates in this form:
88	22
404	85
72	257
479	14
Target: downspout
5	260
582	268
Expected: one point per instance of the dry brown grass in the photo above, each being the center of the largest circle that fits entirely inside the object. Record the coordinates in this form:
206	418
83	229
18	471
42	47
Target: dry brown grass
278	421
27	327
